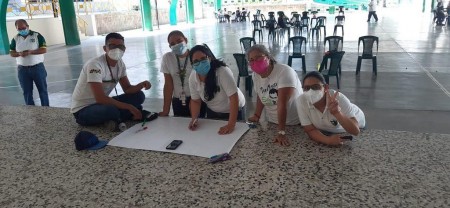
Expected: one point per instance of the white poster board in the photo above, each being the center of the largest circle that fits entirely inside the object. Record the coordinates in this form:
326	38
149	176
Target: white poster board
203	142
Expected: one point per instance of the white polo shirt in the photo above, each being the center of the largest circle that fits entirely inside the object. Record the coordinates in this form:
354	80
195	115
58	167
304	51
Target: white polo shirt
282	76
169	65
326	121
95	70
221	102
32	41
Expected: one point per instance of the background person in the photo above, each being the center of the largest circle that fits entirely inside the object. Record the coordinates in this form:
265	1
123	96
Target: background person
324	112
28	47
91	104
372	11
213	83
277	86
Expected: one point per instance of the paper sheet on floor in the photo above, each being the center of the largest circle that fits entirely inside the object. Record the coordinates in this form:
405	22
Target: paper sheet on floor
203	142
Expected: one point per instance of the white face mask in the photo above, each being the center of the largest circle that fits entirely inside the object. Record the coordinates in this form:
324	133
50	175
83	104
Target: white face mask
314	96
115	54
180	48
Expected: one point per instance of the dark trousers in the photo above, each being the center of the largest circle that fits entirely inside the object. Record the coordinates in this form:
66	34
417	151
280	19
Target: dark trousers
210	114
184	110
37	74
97	113
374	14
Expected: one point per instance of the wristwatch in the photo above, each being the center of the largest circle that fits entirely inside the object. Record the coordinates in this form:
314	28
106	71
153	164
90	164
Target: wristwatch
282	132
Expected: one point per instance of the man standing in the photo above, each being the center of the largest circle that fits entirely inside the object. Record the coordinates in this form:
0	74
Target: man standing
372	10
91	104
28	47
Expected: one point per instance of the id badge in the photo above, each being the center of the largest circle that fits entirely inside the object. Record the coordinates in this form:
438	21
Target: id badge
183	98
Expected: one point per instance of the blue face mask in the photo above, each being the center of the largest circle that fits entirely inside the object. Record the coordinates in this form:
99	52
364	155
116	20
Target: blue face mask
23	32
202	67
180	48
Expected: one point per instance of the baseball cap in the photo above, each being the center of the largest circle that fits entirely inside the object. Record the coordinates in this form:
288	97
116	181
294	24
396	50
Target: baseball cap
88	141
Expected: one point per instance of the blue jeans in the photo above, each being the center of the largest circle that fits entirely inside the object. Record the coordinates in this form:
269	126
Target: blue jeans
37	74
98	114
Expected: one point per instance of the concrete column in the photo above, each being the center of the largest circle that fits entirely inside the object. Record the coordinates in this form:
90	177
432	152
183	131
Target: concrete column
146	13
69	21
190	11
218	4
4	42
173	12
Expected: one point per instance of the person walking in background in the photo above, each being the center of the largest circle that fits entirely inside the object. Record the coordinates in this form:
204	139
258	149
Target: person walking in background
277	86
28	47
372	11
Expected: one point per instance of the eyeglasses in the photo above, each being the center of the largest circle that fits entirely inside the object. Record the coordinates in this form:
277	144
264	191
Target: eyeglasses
114	46
256	58
197	61
313	87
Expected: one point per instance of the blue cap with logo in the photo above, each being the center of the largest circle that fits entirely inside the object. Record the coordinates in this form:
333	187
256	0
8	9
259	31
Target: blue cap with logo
88	141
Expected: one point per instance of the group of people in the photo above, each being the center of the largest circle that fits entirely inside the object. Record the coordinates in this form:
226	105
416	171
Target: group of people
198	85
229	16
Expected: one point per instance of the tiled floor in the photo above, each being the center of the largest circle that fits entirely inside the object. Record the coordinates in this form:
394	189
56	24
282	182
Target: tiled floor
411	91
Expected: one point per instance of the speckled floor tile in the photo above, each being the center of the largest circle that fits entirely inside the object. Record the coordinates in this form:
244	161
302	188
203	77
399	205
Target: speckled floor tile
41	168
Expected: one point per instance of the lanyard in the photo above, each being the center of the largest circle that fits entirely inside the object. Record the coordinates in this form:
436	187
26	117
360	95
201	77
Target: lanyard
112	77
182	72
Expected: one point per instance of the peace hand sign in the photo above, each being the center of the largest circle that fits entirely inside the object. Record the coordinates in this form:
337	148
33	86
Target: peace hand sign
333	103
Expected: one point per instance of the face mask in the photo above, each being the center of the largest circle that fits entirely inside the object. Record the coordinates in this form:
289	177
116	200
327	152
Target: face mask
314	96
115	54
202	67
23	32
180	48
260	66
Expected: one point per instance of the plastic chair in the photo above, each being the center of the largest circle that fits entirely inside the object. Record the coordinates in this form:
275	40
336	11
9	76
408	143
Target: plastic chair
339	24
241	62
321	23
333	68
246	43
297	43
335	43
257	28
271	26
304	23
368	52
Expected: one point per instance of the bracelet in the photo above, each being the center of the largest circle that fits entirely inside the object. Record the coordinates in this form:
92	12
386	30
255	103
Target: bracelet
256	115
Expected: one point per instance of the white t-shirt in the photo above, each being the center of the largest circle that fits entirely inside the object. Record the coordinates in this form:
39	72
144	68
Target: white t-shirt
32	41
169	65
372	6
326	121
95	70
267	89
221	102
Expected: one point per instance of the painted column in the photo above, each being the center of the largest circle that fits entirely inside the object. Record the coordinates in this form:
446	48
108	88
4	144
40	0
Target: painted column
173	12
146	13
4	42
69	21
218	4
190	11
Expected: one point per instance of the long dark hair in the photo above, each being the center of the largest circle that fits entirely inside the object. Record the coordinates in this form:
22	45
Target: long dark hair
211	86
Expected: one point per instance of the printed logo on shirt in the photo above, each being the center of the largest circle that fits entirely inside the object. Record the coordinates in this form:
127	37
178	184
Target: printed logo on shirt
334	122
33	40
97	71
272	97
